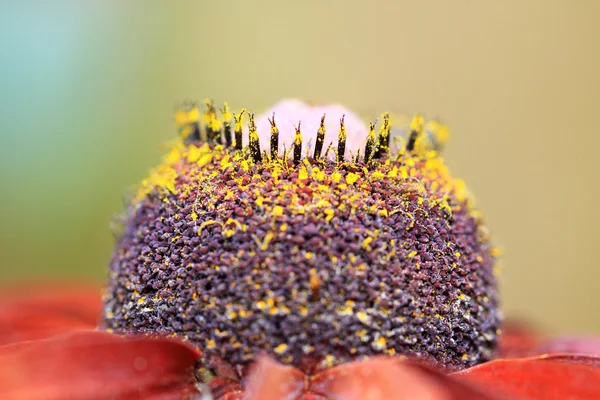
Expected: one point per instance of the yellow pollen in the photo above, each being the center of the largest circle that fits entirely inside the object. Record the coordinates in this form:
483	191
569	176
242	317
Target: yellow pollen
351	178
363	317
277	211
281	348
380	343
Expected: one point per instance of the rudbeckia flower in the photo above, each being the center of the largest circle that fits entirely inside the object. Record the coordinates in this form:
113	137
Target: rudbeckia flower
305	255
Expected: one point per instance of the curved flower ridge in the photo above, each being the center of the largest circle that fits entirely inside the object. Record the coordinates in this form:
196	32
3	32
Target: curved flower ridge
295	264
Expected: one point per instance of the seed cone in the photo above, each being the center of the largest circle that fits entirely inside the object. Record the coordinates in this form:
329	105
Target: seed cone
315	260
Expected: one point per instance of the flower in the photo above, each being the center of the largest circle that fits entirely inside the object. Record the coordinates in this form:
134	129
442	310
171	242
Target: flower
291	274
316	257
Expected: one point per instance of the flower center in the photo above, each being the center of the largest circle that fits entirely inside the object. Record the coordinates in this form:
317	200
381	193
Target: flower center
244	242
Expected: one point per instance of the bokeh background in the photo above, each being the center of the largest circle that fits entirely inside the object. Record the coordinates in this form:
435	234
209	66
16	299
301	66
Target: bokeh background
87	90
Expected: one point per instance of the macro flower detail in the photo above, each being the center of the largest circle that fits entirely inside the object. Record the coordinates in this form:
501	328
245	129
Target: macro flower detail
315	260
303	256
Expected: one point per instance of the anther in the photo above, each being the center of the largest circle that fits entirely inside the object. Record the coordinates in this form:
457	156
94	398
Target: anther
370	143
274	138
254	140
341	141
297	145
239	120
187	118
416	129
383	142
213	125
320	139
226	115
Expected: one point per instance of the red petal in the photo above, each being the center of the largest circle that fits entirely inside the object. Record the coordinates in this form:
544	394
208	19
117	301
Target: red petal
555	377
96	365
36	313
382	378
270	380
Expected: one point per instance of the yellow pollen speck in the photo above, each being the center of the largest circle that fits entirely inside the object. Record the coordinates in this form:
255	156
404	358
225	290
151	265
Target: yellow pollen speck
277	211
457	254
363	317
264	244
303	173
351	178
205	159
496	252
329	214
329	360
281	348
336	177
380	343
210	344
377	175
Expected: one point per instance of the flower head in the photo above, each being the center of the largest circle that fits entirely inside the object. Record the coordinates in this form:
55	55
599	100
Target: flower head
279	239
274	261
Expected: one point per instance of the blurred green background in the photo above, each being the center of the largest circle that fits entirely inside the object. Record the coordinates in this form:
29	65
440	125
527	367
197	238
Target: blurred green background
87	91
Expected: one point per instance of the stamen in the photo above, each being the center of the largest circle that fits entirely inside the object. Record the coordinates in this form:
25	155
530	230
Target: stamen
254	140
416	130
187	118
239	120
341	141
274	138
383	144
357	158
329	148
297	145
370	142
320	139
226	115
209	110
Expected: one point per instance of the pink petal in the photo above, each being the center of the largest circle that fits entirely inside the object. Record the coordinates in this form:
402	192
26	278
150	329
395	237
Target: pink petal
270	380
97	365
32	313
558	377
288	112
574	345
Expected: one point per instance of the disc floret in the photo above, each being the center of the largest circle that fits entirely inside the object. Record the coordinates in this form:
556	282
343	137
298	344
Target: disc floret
316	260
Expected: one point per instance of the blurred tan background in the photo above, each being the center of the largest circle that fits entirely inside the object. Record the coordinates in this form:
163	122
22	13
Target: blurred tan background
87	90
